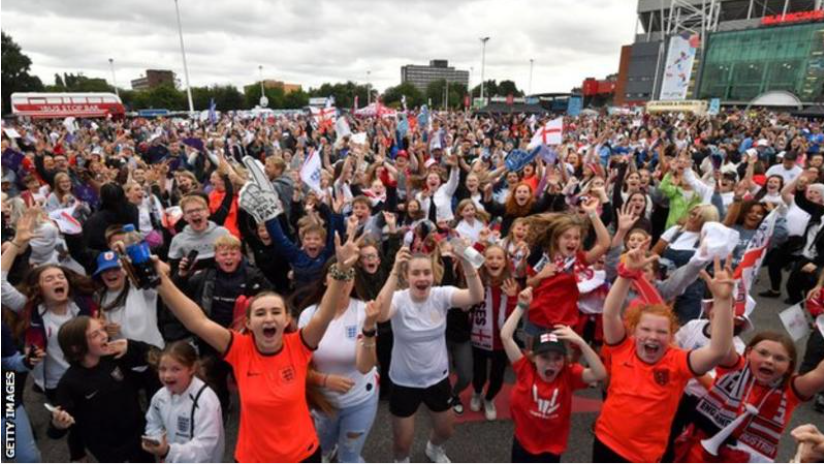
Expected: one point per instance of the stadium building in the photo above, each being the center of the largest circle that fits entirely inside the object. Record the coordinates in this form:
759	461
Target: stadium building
734	50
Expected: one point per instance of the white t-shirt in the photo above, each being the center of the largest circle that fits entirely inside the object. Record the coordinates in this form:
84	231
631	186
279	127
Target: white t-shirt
137	317
789	175
419	355
686	240
55	365
691	337
797	220
470	231
337	354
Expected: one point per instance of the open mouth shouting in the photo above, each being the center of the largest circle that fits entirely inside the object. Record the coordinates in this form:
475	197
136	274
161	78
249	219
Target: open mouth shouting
651	349
61	291
270	332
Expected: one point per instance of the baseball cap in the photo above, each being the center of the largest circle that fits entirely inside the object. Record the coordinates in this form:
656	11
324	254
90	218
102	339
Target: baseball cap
105	261
548	342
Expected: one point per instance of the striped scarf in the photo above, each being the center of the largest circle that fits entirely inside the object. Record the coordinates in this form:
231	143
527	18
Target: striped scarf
726	400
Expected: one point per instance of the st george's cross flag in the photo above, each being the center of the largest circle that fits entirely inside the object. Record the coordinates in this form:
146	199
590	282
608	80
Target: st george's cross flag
552	133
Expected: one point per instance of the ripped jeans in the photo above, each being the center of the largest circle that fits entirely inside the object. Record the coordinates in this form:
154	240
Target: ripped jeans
347	429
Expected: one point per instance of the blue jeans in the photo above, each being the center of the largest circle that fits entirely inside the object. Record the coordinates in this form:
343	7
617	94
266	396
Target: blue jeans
347	429
25	448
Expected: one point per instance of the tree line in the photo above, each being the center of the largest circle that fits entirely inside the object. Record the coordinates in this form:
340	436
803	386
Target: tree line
16	77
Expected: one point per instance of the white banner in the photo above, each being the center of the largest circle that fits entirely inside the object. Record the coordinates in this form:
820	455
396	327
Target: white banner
678	68
64	218
310	172
750	264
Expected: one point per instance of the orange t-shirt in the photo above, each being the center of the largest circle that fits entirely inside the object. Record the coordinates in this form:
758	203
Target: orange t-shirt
641	401
215	200
275	425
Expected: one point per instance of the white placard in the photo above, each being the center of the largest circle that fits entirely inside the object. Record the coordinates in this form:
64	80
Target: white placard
795	322
11	132
359	138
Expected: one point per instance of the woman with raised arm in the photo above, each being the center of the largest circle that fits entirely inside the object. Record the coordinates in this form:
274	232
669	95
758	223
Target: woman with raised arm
647	374
270	363
420	364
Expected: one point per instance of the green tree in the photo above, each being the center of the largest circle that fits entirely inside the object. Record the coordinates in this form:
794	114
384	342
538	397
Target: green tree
343	93
295	100
490	89
15	72
414	97
252	96
436	91
58	81
508	87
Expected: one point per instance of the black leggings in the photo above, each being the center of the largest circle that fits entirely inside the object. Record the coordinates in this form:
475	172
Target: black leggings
814	352
800	282
519	454
496	371
603	453
778	259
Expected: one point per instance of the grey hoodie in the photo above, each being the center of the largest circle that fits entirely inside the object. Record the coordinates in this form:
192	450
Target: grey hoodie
669	289
203	242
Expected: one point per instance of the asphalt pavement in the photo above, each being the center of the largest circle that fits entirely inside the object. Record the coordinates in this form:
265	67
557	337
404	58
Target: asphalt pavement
475	439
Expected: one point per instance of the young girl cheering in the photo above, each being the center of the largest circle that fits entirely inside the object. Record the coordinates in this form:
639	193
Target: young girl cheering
647	374
97	397
489	358
541	402
184	422
554	277
762	385
270	364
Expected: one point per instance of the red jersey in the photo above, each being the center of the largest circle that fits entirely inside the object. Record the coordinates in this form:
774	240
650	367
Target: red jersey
555	299
275	424
542	411
641	400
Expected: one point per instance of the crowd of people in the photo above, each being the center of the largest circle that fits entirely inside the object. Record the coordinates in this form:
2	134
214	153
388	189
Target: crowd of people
317	271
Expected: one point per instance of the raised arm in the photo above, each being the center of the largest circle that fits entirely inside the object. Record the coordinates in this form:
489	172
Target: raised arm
367	356
811	383
341	273
513	351
474	293
189	313
384	299
596	370
601	233
721	285
614	329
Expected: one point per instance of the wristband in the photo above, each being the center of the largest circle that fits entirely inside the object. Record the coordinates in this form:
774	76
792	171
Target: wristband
337	274
629	274
369	333
523	305
593	215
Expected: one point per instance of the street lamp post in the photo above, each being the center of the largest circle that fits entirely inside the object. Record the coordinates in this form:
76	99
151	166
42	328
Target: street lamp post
484	40
264	102
368	89
114	79
531	64
185	66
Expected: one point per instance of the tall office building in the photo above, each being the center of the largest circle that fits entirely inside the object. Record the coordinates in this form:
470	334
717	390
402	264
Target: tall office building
422	76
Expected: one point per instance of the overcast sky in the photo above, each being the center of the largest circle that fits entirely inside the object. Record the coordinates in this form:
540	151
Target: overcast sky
309	42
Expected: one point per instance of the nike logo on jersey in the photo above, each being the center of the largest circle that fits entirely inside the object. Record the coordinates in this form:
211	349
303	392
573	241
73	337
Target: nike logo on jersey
91	395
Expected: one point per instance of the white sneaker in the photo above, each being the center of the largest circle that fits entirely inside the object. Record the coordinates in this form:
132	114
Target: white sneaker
436	453
489	410
475	402
404	460
330	456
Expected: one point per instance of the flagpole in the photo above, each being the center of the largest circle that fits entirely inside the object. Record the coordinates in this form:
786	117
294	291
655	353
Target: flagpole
484	40
185	66
531	63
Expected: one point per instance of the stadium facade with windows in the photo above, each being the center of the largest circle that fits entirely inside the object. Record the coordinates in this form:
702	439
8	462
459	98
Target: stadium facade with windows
742	49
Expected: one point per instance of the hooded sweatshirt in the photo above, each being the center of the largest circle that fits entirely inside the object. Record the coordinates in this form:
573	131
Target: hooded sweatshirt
203	242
